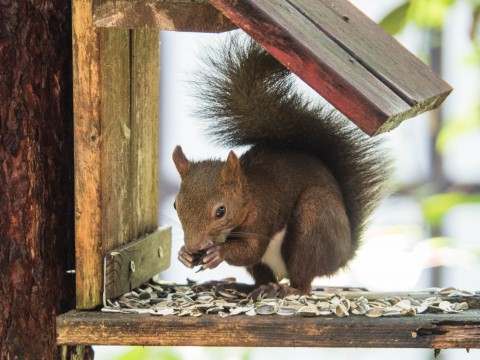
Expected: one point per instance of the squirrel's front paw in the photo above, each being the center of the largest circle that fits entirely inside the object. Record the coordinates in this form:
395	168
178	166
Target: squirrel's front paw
209	258
212	258
187	259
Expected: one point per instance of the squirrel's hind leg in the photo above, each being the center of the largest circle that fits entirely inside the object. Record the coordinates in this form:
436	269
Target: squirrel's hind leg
262	274
318	240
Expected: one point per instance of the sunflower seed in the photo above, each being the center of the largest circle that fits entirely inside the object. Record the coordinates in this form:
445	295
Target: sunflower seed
341	310
308	311
374	312
265	310
286	311
161	299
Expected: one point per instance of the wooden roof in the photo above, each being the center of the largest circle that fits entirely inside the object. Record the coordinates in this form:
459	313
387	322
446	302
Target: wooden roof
335	48
345	56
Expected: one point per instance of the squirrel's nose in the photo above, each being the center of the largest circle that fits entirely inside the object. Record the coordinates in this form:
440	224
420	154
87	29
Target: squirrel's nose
196	246
190	249
193	248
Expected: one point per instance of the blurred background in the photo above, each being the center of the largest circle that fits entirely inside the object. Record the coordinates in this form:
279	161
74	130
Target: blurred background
426	234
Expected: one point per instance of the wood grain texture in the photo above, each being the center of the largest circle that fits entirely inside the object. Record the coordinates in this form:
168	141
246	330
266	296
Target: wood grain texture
150	255
438	331
314	45
145	95
87	145
379	52
116	95
197	16
407	76
116	135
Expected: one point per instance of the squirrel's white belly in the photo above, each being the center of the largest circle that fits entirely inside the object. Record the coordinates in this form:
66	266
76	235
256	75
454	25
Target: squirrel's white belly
273	255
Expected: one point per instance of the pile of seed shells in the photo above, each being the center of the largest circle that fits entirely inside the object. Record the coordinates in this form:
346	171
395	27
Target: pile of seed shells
170	299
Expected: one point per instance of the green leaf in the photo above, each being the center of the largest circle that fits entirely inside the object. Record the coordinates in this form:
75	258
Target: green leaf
135	353
436	206
395	21
453	129
474	2
428	13
150	353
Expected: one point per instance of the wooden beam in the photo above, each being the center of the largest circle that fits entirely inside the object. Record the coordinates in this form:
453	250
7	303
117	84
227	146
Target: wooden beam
344	56
378	52
196	15
145	113
116	114
134	263
87	144
439	331
116	135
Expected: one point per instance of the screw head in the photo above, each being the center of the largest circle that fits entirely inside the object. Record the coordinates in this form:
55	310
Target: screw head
160	252
132	266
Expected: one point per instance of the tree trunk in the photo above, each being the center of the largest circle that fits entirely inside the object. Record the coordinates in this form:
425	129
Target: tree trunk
36	176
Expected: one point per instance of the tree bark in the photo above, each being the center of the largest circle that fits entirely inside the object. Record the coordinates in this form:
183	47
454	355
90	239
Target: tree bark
36	176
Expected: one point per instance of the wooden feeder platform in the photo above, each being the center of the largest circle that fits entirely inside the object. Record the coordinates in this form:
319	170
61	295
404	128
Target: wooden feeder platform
332	46
437	331
424	330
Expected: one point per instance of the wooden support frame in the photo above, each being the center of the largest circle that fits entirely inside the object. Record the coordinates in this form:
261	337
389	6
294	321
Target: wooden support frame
116	88
116	114
439	331
191	15
341	53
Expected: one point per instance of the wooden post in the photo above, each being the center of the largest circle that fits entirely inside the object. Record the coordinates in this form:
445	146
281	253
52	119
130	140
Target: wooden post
36	178
116	99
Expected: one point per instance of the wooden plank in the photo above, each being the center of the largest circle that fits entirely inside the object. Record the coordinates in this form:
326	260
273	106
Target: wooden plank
133	264
316	57
145	85
87	143
437	331
196	15
116	136
377	51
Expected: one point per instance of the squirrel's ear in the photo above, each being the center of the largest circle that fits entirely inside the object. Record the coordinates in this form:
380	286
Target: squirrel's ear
181	161
232	170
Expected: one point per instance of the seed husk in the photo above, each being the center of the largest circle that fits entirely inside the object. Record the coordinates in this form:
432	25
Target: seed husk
286	311
374	312
341	310
308	311
265	310
170	299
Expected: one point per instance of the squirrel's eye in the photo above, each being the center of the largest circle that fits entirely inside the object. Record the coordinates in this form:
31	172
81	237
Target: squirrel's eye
175	205
220	212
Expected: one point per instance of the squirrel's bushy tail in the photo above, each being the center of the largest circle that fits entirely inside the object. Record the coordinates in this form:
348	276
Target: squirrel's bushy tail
246	97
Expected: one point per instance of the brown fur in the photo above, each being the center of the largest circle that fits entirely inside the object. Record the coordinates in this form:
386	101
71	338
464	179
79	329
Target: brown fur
306	170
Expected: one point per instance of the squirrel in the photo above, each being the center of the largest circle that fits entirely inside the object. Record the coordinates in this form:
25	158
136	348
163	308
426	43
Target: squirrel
296	203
